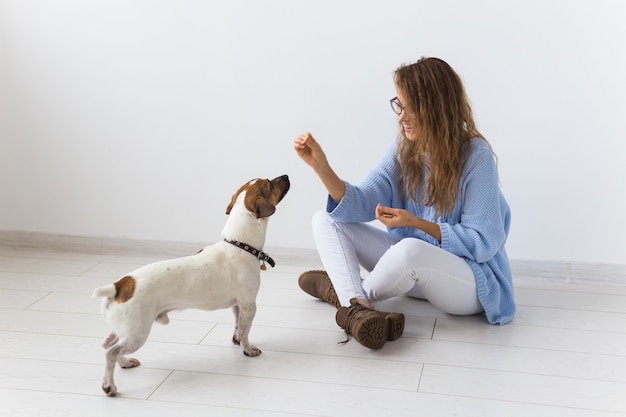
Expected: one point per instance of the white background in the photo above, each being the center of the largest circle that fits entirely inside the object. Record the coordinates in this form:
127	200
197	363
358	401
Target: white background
139	119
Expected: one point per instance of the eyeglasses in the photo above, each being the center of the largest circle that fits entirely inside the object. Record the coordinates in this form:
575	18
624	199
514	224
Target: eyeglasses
396	106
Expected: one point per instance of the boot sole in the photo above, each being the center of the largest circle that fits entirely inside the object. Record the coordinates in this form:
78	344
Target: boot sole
395	326
371	332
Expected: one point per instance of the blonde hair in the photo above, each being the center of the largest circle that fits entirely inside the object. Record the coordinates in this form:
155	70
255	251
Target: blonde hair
442	121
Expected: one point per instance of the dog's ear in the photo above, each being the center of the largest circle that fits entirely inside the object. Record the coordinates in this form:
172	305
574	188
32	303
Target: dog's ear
232	203
264	208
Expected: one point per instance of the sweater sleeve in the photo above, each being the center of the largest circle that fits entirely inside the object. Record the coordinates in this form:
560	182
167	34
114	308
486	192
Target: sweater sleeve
484	217
359	201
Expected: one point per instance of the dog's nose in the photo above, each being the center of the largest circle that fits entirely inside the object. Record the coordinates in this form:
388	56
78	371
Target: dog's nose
284	179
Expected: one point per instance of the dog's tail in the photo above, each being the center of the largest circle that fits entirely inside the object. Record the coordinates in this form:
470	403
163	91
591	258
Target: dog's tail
108	291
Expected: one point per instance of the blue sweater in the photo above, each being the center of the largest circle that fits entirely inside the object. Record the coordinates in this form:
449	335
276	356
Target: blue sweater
476	230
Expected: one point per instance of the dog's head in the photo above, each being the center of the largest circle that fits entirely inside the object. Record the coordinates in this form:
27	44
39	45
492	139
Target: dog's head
261	195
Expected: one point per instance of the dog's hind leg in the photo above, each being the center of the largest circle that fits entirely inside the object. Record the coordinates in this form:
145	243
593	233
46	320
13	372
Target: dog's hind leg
125	362
110	341
113	355
108	384
116	349
244	315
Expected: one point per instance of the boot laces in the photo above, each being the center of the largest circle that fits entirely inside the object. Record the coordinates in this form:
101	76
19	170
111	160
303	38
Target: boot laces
331	295
355	313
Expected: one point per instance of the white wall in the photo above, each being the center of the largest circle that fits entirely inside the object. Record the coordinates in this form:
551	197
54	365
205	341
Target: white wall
139	119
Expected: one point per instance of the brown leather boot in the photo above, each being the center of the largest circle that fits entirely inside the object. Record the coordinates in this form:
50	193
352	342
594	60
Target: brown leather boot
394	323
370	327
317	283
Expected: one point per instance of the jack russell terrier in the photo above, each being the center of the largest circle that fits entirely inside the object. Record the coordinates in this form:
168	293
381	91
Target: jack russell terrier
225	274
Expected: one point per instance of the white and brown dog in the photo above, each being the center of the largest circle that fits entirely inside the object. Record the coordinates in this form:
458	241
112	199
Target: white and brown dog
222	275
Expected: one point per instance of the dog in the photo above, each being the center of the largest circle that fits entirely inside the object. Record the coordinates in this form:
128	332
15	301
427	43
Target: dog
225	274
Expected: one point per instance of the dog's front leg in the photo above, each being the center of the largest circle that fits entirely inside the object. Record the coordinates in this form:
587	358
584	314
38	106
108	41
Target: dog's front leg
236	333
244	314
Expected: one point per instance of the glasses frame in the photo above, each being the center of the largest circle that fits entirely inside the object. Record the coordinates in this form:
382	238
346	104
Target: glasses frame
396	106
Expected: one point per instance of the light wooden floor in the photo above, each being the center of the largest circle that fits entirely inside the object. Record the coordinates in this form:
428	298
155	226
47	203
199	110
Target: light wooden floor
564	354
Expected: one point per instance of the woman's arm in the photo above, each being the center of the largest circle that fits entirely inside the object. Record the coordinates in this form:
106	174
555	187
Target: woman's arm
311	152
481	227
391	217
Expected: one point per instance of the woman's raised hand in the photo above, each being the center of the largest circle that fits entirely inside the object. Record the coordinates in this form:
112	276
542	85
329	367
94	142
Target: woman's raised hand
310	151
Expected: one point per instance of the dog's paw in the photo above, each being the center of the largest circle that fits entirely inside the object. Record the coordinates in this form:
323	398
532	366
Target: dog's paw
128	362
252	351
109	390
236	341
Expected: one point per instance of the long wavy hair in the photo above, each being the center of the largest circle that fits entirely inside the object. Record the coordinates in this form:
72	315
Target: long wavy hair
441	118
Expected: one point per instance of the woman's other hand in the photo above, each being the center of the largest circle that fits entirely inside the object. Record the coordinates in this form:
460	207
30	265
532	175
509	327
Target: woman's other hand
392	217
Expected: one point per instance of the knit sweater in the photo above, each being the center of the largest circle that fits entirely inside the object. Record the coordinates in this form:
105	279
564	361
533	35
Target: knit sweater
476	229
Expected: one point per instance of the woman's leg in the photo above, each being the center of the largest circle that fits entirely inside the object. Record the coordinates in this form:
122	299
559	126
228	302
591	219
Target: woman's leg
417	268
343	247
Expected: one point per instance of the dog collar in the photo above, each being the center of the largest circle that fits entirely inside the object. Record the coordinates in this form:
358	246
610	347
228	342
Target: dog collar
260	255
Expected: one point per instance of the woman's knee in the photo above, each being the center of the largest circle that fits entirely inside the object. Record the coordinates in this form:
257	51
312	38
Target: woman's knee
394	273
321	218
322	223
408	249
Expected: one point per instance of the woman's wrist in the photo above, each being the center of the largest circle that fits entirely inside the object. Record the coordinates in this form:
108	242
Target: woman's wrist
427	227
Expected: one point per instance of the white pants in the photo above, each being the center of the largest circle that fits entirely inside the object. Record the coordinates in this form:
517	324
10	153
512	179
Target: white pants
396	267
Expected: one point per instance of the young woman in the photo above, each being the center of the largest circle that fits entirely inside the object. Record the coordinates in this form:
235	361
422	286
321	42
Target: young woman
436	190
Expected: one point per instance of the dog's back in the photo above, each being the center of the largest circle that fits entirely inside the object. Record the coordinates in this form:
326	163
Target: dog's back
208	280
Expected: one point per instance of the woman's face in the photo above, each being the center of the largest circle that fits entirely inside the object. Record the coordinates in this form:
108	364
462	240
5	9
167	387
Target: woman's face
405	120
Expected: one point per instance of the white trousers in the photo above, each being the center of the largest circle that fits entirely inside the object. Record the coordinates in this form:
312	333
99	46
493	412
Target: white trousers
396	267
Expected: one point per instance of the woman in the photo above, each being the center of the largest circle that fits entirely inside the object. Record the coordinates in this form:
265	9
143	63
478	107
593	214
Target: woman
436	190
